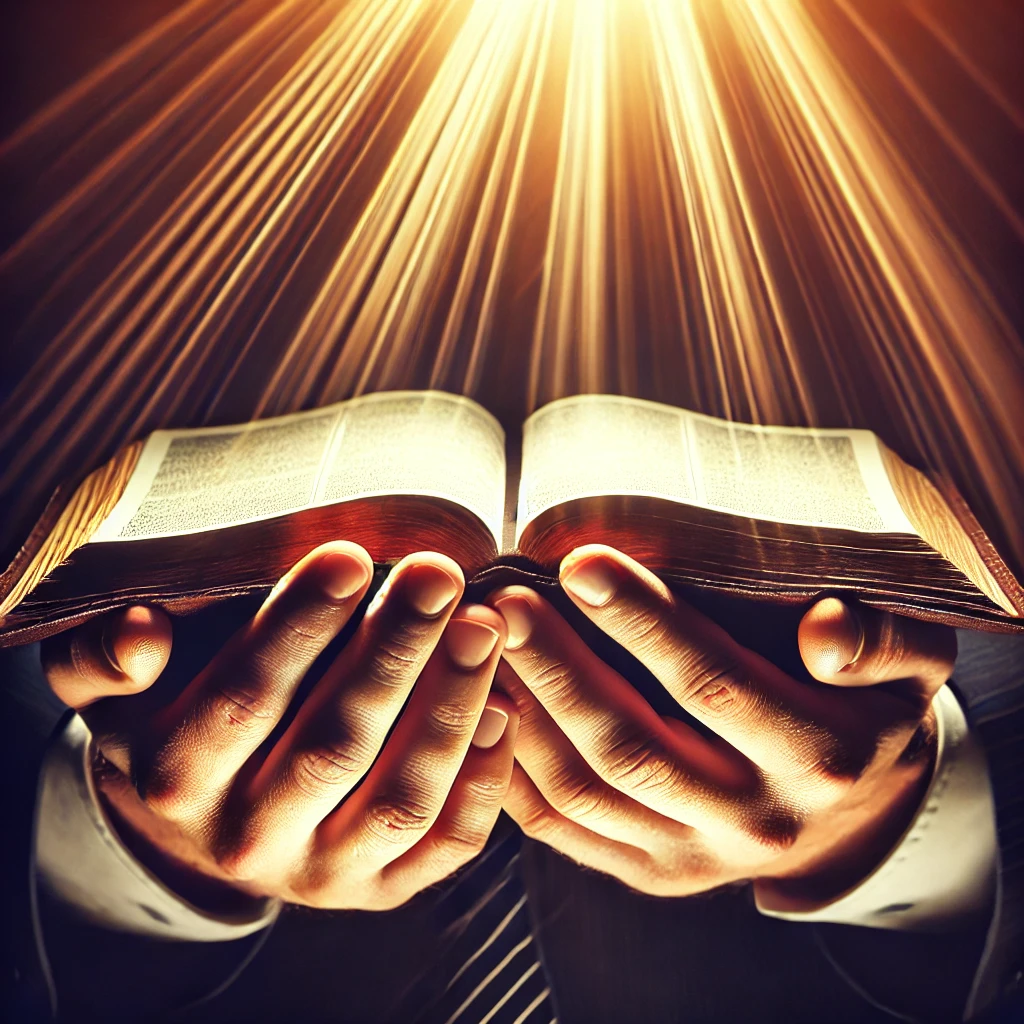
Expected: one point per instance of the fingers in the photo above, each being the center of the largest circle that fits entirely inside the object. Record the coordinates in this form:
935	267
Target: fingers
342	725
116	655
404	792
859	646
572	787
233	705
676	773
754	706
470	811
526	806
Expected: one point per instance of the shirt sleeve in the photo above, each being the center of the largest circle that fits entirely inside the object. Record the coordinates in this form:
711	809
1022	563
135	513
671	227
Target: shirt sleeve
943	870
82	861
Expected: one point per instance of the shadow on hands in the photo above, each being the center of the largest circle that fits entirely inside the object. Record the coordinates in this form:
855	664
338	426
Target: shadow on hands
381	778
800	786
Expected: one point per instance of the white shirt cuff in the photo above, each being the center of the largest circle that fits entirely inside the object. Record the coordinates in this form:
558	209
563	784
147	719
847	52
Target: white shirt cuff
83	861
943	869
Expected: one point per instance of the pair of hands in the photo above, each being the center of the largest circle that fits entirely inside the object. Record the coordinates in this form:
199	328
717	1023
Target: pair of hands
358	803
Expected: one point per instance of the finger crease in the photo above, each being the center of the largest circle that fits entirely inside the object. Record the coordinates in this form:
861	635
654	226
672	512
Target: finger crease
243	707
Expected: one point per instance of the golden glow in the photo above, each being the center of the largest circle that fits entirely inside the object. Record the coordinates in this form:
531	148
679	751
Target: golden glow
264	207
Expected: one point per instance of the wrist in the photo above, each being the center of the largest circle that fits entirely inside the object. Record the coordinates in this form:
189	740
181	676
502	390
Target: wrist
162	849
850	842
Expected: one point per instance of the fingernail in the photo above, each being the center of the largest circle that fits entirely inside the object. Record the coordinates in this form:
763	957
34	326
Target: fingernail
107	642
429	589
469	643
592	580
341	574
854	636
518	616
490	728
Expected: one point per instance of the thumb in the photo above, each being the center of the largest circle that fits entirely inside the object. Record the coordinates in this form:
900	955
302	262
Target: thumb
118	654
852	645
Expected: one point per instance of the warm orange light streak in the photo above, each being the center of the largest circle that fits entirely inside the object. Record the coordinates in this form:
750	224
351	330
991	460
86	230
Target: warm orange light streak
198	256
746	322
915	93
487	251
386	277
951	330
921	10
263	206
571	321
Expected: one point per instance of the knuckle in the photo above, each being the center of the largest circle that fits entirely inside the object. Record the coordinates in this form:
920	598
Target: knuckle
327	767
645	629
291	636
486	788
300	631
582	799
556	682
395	658
461	842
397	819
242	707
714	683
531	714
638	762
453	718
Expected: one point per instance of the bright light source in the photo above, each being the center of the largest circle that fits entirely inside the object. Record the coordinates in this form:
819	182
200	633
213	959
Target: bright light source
693	200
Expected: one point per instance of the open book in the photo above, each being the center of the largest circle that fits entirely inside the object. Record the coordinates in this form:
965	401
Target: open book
773	512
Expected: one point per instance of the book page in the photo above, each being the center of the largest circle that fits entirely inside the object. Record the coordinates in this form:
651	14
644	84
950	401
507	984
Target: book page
596	445
592	445
429	443
419	442
830	478
187	481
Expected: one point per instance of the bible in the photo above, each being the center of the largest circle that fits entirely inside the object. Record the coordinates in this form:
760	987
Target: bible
778	513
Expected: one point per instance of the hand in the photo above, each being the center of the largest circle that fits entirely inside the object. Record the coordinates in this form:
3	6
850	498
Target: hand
340	811
803	787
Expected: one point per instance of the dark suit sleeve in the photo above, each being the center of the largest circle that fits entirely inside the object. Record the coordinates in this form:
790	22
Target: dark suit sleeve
989	679
975	973
979	968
